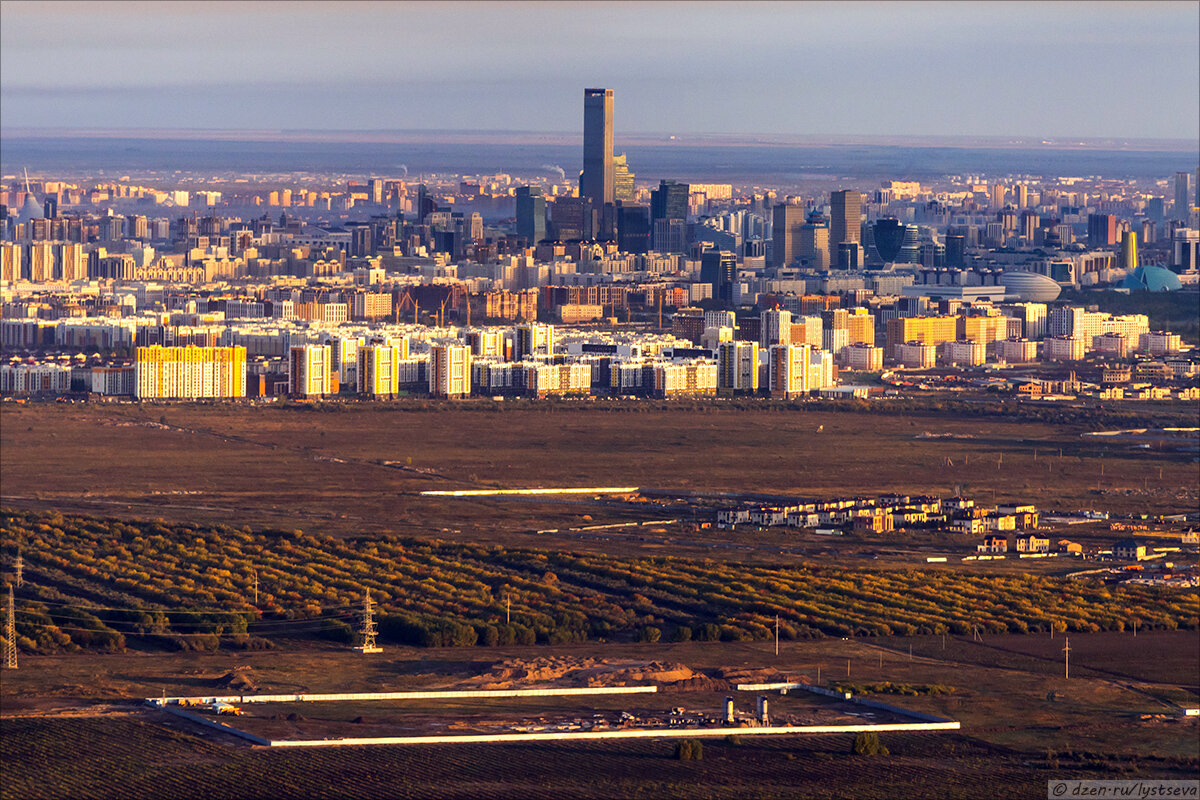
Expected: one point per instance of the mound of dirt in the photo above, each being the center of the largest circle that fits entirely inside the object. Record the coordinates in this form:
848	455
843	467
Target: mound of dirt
736	675
237	678
565	671
617	674
702	683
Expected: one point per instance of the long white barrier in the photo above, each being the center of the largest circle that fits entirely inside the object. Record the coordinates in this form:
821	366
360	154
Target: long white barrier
503	492
221	726
448	694
634	734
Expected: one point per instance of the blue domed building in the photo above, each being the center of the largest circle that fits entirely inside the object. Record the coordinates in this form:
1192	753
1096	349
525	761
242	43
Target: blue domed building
1152	279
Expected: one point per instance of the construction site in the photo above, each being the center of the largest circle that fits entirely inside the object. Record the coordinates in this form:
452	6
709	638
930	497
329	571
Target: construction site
623	700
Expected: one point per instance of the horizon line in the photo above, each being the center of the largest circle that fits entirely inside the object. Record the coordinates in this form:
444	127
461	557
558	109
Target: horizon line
463	135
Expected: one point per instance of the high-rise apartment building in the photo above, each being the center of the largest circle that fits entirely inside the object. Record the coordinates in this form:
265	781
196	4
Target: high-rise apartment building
845	223
788	369
378	371
775	327
70	264
10	261
926	330
786	221
449	370
533	340
998	196
39	262
309	370
737	368
596	182
189	373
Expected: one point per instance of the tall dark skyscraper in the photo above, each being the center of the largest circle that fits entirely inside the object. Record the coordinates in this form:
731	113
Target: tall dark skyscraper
845	223
1183	195
531	214
596	183
669	201
668	216
1102	230
719	268
633	228
785	233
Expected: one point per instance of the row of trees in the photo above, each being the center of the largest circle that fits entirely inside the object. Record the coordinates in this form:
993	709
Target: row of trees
92	582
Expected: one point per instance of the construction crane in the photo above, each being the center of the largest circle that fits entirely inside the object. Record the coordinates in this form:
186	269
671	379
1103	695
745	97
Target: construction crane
405	303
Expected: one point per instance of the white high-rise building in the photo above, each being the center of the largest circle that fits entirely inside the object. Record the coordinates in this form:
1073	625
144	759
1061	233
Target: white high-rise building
737	368
449	370
190	372
775	327
788	369
533	341
378	371
309	371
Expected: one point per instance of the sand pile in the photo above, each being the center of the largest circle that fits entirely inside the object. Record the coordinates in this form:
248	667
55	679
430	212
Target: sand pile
735	675
564	671
238	678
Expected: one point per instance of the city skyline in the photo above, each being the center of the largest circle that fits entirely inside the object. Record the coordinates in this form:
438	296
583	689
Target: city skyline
800	69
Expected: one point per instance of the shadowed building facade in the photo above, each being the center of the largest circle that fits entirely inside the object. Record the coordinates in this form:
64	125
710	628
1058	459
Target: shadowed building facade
596	182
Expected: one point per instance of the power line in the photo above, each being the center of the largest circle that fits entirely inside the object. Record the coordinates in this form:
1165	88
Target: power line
107	629
10	633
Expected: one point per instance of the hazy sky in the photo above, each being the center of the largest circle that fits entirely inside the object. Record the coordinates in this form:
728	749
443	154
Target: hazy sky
1078	69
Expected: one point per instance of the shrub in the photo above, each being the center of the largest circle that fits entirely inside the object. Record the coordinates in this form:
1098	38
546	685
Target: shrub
867	743
649	634
689	750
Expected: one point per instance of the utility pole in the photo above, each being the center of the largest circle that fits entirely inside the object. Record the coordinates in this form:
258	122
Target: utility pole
818	674
256	588
847	668
776	634
1067	659
19	566
367	631
507	610
10	633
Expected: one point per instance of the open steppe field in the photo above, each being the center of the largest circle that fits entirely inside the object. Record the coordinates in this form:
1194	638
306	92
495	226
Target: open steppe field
133	758
1021	726
324	471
